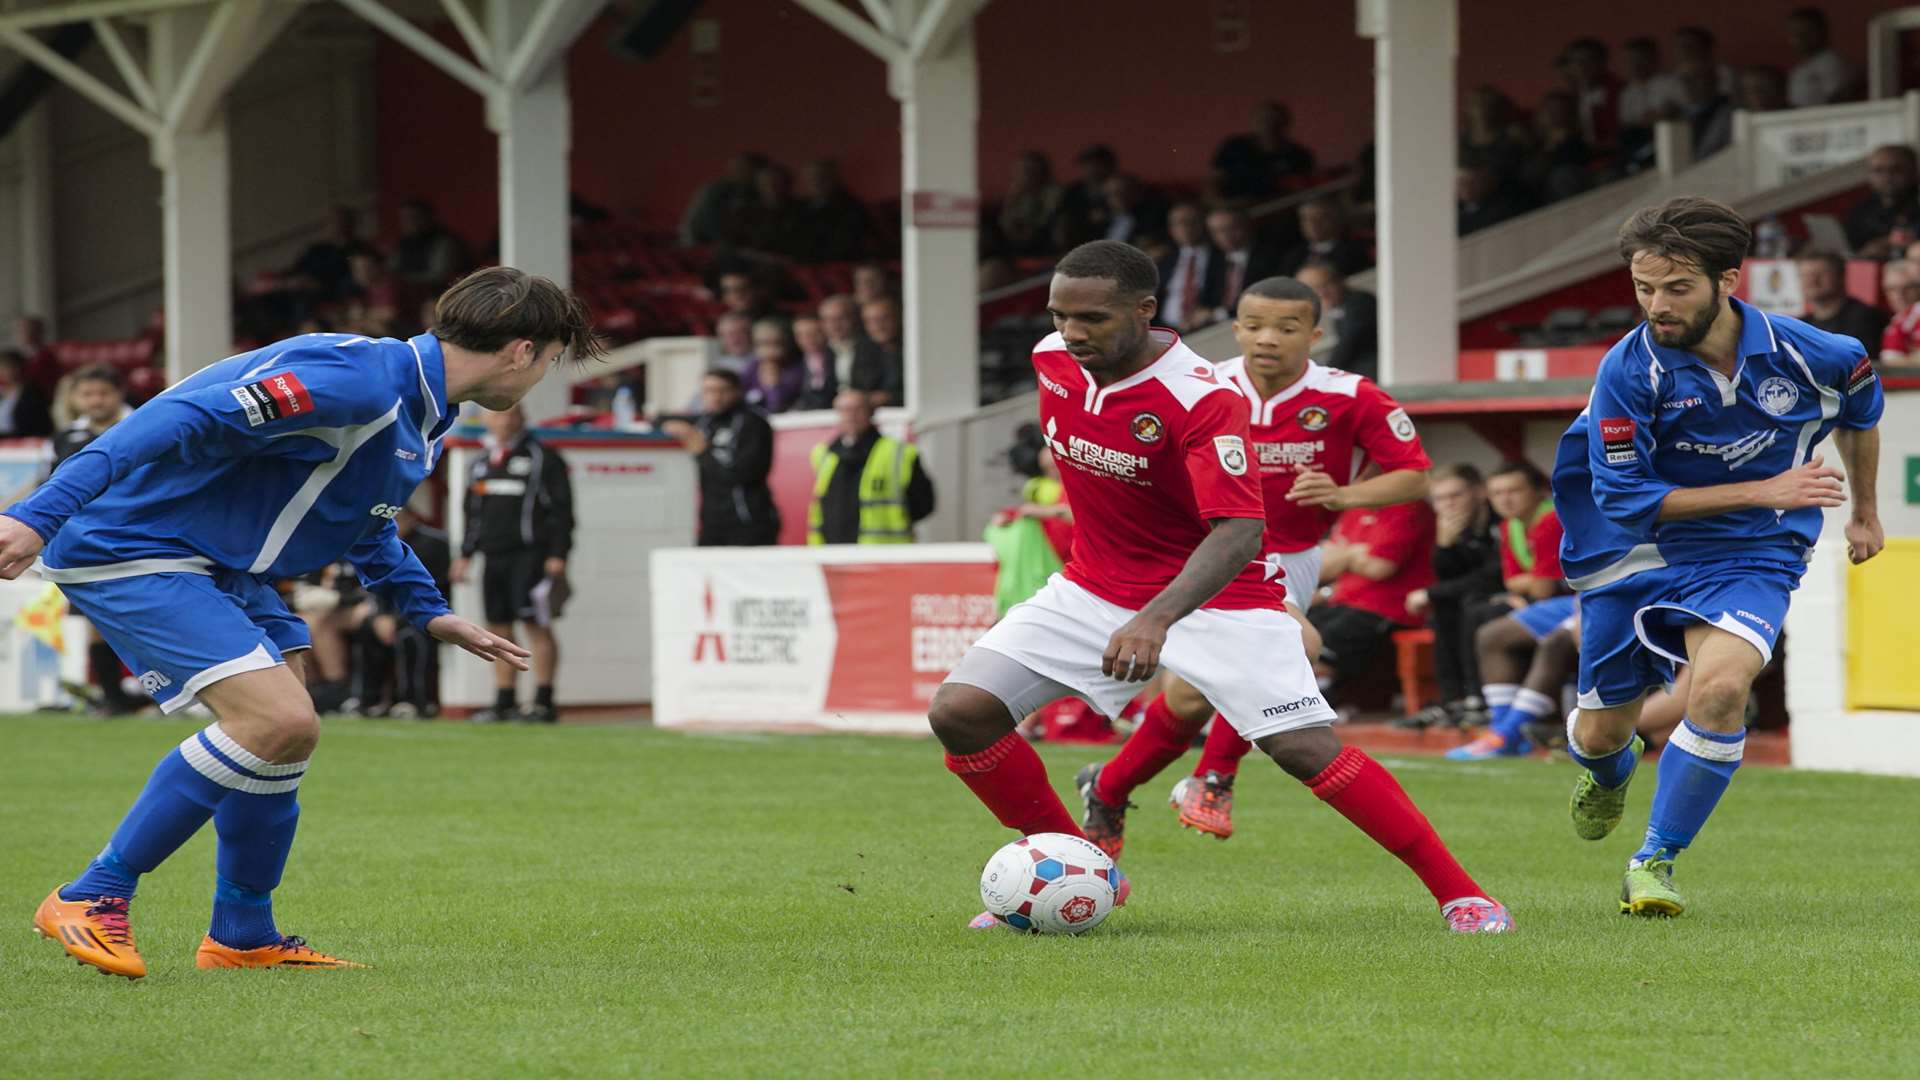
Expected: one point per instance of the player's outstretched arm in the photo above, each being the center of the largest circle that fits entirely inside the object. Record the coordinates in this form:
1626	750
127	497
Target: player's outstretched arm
1314	487
1860	451
455	630
1133	652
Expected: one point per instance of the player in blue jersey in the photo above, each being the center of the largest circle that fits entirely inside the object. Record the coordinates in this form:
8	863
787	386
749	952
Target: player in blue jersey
1692	496
168	531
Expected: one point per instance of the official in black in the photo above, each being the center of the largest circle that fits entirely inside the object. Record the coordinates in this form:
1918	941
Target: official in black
733	447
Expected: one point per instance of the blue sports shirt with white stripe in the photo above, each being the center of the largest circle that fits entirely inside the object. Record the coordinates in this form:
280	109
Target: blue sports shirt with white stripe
1661	419
277	461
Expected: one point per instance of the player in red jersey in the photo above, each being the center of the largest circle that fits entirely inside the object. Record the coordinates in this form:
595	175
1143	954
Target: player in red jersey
1312	428
1167	566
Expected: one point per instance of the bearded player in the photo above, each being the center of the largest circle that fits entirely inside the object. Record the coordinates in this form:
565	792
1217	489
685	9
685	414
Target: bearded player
168	531
1310	426
1167	567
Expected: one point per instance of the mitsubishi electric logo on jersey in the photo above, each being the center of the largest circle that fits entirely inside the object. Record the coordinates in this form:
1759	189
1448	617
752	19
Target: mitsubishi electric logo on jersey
1276	456
1736	453
1094	458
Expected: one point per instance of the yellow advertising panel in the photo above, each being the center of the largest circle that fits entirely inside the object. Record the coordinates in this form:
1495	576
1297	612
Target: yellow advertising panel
1883	629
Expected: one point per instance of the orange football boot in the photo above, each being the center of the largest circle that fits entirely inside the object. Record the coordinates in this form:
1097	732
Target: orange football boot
288	952
1207	805
94	932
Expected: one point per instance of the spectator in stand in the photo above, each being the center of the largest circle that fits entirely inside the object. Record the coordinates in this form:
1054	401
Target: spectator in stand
1900	342
325	268
1823	282
1707	110
840	322
868	488
732	446
1694	46
427	254
733	338
834	220
1595	89
817	361
873	281
742	294
1256	164
715	207
880	371
1192	276
1324	235
1557	165
1247	258
1466	574
1491	140
374	300
1822	77
777	379
772	221
1031	204
23	409
1481	201
1881	225
1083	204
1374	558
1648	96
519	514
30	339
1133	211
1762	89
1350	317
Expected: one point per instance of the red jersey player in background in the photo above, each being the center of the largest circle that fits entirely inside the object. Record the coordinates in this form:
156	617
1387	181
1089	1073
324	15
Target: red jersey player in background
1169	532
1312	426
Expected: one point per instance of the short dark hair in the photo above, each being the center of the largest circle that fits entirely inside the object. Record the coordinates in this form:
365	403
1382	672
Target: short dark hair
105	373
1832	258
1589	44
1129	268
1809	14
488	309
1462	471
1635	44
1282	288
726	375
1708	235
1902	149
1699	33
1098	152
1535	478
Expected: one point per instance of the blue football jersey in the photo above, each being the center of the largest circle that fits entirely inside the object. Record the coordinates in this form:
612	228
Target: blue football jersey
275	462
1660	419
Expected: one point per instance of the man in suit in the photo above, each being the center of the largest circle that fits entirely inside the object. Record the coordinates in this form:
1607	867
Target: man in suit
1245	259
1323	235
1192	274
1351	318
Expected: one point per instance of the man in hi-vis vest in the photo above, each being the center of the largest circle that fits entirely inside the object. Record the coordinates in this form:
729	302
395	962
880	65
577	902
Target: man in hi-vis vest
868	488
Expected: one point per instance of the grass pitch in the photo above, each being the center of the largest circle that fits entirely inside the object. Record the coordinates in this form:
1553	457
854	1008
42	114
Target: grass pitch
587	901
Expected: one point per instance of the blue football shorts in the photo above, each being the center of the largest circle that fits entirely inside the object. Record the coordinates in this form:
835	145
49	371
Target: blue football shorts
182	632
1543	617
1632	631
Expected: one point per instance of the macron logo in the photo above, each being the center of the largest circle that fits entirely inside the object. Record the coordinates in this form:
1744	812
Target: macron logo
1050	386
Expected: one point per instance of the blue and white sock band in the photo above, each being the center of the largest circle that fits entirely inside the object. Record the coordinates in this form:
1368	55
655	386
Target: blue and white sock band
1711	745
1532	702
218	758
1499	695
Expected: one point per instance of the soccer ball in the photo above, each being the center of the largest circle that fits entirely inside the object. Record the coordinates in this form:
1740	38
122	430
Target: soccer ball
1050	883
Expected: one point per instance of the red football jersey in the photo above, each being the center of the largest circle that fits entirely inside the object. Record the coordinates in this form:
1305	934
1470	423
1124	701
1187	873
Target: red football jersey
1902	337
1402	534
1328	419
1147	462
1543	540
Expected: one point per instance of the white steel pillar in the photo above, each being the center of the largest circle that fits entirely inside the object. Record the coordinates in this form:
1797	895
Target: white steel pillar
1415	42
197	238
36	257
939	253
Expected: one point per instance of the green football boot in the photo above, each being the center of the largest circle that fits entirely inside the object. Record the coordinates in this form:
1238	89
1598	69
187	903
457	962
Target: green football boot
1648	888
1597	810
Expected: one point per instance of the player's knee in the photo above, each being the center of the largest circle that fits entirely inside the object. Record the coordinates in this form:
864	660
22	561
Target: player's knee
1303	753
967	719
1718	700
1492	636
1188	705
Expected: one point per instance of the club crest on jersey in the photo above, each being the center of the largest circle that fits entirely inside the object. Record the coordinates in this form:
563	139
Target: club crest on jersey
1312	418
1233	454
1778	396
1148	428
274	397
1401	425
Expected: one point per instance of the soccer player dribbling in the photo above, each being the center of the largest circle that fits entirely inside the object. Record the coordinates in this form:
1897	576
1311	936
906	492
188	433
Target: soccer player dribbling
1692	498
1310	426
168	531
1170	527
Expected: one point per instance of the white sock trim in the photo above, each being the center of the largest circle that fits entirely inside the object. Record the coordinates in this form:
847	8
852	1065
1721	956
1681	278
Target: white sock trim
1689	738
1500	694
1533	703
245	758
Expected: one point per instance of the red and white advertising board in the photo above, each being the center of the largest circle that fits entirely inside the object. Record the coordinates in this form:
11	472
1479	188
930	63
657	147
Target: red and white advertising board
838	637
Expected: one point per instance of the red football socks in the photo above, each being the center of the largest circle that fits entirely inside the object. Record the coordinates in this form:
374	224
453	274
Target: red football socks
1012	780
1368	795
1223	751
1157	743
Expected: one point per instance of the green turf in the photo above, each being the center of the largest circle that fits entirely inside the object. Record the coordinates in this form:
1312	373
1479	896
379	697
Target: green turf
615	900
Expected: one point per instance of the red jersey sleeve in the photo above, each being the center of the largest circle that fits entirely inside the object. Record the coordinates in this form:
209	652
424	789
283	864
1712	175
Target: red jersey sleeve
1216	446
1384	430
1402	533
1544	539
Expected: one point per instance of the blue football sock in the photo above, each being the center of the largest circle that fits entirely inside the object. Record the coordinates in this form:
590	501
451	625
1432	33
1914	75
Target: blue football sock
1609	769
177	800
1695	769
242	918
255	824
1528	706
1499	699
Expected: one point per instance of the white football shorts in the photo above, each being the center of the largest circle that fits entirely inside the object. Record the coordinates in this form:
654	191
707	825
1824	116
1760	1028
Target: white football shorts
1250	664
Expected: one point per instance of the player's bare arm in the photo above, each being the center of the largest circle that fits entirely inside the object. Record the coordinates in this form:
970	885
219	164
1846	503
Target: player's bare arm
1860	451
1811	484
1315	487
1133	653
